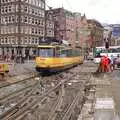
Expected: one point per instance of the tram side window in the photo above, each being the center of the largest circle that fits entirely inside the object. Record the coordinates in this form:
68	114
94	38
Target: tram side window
58	53
75	53
63	53
46	52
69	53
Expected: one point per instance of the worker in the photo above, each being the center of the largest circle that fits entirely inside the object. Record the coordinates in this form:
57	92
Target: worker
107	64
102	64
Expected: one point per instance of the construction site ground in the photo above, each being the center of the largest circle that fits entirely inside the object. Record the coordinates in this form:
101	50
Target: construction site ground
103	102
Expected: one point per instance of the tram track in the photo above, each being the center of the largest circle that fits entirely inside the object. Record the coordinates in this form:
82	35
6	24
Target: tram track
26	103
16	87
68	107
78	99
42	90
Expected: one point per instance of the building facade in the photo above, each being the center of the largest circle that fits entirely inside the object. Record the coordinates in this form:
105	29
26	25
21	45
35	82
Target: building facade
83	33
64	26
90	34
97	32
49	28
21	26
77	17
107	35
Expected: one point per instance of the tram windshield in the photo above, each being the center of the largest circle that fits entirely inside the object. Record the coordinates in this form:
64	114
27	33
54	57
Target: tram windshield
46	52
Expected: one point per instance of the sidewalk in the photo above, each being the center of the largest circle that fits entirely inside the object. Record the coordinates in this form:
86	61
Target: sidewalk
105	103
17	69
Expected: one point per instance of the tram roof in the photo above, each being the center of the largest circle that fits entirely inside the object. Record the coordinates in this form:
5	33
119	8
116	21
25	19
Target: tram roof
54	46
46	46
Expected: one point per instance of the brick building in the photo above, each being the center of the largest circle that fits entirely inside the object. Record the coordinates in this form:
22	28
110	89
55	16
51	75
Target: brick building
64	25
77	17
83	32
22	25
97	32
90	34
49	28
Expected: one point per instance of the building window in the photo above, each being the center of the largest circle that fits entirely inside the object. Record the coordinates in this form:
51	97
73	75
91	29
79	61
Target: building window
32	30
2	40
6	19
32	20
36	22
36	41
25	19
6	40
13	19
6	9
9	9
2	9
29	20
39	31
9	19
17	8
32	11
25	41
33	40
35	31
39	22
29	41
26	9
35	12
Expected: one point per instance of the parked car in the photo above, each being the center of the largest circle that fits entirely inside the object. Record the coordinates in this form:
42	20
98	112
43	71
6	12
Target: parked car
97	58
117	62
90	56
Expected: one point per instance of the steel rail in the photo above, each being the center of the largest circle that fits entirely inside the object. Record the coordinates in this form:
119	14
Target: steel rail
16	93
78	97
24	106
16	82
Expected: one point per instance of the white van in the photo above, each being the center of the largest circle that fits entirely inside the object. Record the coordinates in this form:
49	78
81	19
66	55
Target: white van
90	56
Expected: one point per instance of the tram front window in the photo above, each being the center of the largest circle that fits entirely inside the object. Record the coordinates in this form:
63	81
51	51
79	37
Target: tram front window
46	52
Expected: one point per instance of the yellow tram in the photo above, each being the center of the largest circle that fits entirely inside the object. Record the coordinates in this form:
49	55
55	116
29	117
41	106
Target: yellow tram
52	58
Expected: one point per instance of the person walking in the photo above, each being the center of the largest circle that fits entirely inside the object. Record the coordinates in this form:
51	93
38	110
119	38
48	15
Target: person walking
112	63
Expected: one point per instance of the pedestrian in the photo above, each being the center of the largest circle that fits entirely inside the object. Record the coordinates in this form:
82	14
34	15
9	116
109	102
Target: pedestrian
112	63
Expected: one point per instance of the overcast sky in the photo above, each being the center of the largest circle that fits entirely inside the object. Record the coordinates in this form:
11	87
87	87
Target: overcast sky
105	11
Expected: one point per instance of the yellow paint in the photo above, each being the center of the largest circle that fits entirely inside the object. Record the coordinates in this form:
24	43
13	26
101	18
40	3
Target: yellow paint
4	67
57	62
46	46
